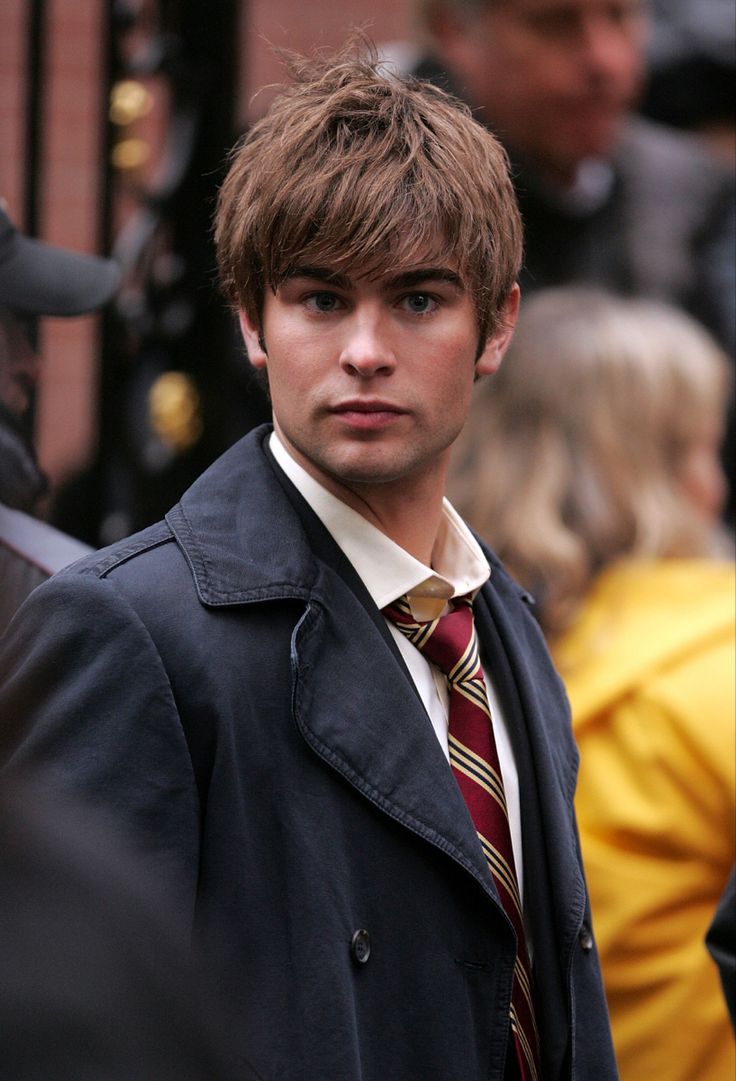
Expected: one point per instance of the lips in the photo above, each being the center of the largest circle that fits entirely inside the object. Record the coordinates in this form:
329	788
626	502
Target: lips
368	414
361	405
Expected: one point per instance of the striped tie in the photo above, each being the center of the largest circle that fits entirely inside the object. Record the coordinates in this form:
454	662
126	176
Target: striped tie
450	642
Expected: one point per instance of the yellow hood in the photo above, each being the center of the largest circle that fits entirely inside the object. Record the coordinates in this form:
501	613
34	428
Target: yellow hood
638	620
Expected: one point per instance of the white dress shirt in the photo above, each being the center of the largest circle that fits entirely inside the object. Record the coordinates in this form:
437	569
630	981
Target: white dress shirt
388	571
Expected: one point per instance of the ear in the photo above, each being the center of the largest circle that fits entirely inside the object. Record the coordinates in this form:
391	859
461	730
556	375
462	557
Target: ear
490	359
253	339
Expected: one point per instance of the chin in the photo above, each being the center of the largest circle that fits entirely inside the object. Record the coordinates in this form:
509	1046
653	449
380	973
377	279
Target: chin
363	471
367	476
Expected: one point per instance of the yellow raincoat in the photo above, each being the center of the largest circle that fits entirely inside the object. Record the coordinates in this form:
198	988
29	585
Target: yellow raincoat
650	667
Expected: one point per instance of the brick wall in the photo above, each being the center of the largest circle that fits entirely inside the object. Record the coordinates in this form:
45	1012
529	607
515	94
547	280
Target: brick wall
300	26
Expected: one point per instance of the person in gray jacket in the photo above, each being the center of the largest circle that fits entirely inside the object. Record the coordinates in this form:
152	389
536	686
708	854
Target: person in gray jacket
35	279
310	695
608	198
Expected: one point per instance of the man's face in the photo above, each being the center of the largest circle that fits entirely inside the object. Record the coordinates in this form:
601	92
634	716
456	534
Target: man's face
554	77
370	380
19	365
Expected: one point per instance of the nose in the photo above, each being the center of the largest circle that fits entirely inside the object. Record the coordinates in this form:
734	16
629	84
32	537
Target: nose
613	46
366	349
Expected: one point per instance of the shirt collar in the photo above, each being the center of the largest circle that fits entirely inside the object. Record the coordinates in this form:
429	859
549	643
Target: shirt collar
387	570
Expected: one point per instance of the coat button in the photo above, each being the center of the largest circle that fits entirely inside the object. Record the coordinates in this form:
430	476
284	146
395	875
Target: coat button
585	939
360	947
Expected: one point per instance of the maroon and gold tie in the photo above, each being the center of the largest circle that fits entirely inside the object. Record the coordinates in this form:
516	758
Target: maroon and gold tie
450	642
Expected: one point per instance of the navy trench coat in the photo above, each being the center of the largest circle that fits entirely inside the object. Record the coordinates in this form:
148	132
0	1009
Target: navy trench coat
224	686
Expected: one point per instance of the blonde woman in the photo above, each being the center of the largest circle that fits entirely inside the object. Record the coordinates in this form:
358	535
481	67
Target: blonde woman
590	462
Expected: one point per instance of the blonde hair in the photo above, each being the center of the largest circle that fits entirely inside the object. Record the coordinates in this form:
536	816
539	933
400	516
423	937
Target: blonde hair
571	456
355	166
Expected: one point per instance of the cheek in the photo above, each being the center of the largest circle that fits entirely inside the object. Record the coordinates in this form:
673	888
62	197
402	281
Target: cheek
454	390
704	481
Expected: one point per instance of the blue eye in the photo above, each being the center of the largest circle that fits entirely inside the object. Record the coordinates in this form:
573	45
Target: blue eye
322	302
419	303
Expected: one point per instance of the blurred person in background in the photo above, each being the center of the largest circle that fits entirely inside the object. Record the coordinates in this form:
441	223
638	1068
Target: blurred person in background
94	984
35	279
692	64
607	198
692	76
607	416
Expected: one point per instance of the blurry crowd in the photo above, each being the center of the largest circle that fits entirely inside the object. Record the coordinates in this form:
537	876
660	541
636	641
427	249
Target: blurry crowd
593	463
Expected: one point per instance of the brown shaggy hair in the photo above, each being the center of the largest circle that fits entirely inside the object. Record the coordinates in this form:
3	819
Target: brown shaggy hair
354	166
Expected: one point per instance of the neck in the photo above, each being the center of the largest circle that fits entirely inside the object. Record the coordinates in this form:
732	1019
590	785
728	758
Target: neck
409	515
406	508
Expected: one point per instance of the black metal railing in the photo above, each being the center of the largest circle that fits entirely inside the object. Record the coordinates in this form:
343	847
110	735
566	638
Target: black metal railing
175	389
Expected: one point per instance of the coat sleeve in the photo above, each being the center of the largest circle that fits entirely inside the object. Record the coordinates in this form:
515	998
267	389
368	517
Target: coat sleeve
86	703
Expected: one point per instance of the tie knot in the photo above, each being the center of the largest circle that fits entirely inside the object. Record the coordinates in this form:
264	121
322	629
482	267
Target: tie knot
448	641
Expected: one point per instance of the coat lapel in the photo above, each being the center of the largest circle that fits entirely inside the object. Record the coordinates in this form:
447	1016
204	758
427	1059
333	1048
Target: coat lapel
365	715
358	710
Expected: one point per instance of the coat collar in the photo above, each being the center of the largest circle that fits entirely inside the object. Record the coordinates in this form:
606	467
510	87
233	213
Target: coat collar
219	525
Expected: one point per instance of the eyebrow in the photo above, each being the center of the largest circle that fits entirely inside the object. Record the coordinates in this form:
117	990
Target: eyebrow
404	279
322	274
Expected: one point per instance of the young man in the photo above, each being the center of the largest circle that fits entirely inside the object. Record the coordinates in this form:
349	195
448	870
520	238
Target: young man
375	844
